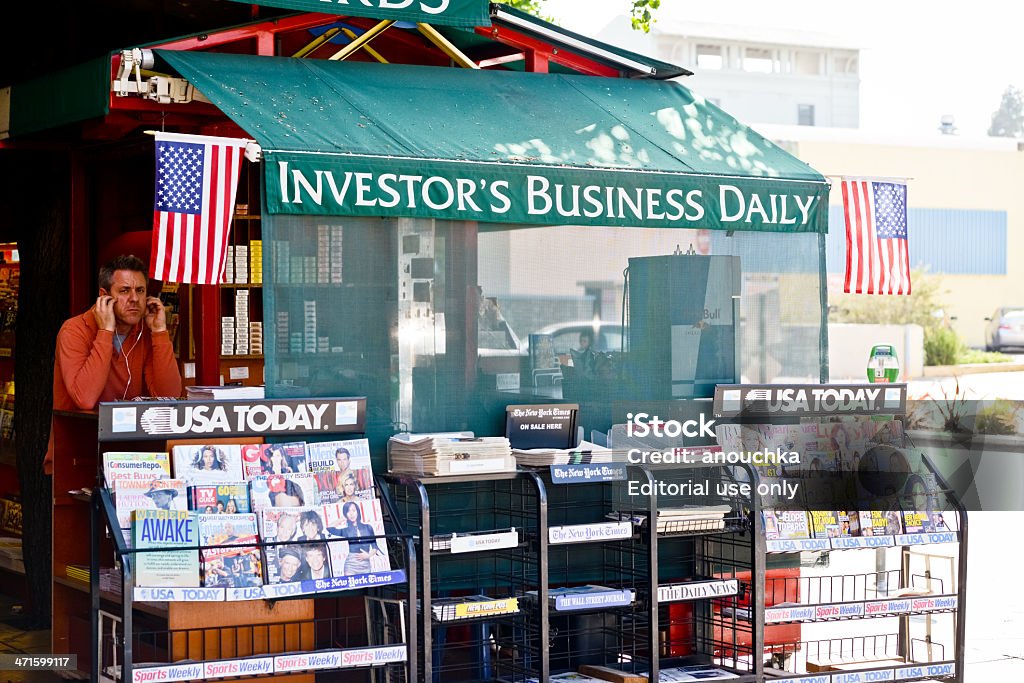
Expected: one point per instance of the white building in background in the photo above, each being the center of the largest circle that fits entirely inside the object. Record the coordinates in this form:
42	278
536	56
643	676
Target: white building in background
759	75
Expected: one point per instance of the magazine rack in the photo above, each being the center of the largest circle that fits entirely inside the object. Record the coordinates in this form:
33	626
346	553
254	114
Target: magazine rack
180	635
886	643
481	549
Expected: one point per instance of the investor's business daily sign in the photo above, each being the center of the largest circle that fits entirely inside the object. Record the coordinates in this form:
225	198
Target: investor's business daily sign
463	13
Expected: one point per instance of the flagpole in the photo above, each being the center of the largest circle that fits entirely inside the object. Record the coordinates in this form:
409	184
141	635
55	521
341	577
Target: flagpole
879	179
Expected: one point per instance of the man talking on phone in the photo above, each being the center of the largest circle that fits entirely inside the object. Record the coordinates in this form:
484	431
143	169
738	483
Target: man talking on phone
117	350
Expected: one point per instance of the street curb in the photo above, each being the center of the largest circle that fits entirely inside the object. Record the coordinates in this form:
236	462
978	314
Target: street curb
972	369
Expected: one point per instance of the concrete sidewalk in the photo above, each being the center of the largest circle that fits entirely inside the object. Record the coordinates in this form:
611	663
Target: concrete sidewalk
995	601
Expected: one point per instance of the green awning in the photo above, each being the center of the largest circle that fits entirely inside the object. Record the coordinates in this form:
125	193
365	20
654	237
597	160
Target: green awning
78	93
370	139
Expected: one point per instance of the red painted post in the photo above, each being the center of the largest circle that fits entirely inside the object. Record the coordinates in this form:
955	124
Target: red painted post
206	319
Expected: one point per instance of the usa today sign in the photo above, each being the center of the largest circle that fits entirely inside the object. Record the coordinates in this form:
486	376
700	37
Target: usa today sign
463	13
305	184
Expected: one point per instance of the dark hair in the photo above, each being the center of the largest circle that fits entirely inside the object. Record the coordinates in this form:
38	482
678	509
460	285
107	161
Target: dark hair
122	262
286	551
588	333
218	458
344	511
290	489
319	547
340	450
311	516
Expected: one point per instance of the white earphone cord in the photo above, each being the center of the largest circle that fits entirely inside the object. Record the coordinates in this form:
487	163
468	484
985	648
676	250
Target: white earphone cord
127	366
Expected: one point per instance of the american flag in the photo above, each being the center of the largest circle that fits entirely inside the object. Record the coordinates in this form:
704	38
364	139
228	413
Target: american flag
196	179
877	260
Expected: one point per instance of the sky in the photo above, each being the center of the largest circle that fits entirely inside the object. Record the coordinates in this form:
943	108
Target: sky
919	60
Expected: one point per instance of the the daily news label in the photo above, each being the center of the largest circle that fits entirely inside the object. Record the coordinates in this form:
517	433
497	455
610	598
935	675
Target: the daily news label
698	590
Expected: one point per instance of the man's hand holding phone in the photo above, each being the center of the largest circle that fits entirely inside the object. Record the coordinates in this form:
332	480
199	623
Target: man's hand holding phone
103	312
156	316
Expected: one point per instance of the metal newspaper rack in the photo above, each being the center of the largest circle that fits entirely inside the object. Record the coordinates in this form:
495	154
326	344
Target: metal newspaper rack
678	562
212	651
893	651
481	552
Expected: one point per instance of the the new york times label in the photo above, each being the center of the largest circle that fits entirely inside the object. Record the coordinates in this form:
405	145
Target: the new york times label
541	426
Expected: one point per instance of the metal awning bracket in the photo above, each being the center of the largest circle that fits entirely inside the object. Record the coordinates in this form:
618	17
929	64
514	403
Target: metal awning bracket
132	63
362	40
446	46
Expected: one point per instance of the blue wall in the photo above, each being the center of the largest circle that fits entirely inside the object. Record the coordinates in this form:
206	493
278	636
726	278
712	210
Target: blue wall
953	241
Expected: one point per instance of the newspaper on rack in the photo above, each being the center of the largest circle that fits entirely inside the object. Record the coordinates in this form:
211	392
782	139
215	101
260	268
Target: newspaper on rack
583	454
452	453
695	518
224	393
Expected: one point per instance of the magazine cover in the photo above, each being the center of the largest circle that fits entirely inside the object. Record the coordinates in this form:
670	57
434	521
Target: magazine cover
849	523
208	464
220	498
165	529
282	564
918	522
880	523
785	524
825	524
130	465
357	519
351	459
329	487
251	454
155	494
283	491
234	564
274	458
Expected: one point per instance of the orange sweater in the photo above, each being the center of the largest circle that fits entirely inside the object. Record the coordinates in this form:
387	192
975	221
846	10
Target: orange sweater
87	370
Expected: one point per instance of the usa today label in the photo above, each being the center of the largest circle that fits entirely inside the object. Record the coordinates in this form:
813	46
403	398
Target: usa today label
231	418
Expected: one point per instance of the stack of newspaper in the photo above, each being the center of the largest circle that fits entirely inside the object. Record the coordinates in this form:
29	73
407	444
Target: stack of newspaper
688	519
224	393
584	454
449	454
